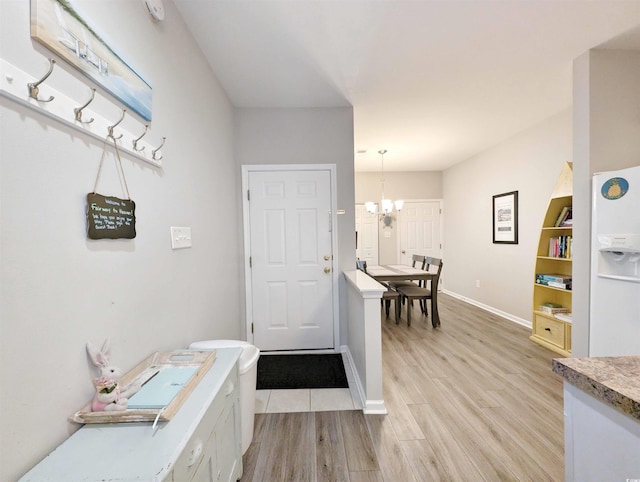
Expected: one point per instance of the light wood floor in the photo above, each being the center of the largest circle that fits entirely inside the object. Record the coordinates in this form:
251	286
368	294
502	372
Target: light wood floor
472	400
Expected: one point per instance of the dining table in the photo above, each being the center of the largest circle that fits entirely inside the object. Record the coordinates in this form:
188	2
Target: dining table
401	272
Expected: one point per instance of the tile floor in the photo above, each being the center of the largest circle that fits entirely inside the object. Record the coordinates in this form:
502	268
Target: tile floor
310	400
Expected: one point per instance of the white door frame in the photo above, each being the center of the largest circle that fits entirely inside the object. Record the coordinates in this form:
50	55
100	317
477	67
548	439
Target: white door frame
248	168
441	203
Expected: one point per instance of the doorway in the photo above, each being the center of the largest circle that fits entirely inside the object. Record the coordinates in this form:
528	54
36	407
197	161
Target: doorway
291	284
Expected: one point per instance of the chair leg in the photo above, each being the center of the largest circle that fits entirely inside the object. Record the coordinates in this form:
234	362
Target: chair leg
397	307
386	307
409	305
435	325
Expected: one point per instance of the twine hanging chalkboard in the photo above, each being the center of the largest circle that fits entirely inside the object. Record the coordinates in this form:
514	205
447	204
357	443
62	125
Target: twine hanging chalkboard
108	216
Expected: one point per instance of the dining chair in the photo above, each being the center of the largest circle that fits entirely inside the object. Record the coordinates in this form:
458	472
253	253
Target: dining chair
387	297
415	260
422	293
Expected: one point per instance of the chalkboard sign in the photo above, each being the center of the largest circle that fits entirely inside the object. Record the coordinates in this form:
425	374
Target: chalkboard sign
110	217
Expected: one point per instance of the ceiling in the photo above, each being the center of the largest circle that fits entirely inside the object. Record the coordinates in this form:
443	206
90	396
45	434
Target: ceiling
433	82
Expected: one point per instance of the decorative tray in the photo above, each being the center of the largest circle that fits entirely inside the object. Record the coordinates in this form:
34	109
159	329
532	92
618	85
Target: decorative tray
144	372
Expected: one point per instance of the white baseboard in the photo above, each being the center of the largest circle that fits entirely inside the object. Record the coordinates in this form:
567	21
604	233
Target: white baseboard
375	407
491	309
352	376
357	391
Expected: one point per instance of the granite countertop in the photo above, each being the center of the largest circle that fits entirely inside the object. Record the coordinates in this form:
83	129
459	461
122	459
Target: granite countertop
613	380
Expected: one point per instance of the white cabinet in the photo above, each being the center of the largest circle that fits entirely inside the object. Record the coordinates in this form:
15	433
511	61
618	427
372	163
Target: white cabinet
202	443
601	442
601	418
210	455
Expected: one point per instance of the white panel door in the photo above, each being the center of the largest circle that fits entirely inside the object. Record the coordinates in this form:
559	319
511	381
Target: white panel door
367	240
419	225
291	259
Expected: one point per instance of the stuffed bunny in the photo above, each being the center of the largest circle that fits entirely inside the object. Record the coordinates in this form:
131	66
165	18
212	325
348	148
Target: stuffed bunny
108	395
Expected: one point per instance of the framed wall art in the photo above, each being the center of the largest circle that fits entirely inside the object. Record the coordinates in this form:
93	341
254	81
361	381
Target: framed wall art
62	27
505	218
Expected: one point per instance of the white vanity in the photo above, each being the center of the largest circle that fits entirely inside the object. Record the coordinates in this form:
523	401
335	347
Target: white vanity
201	443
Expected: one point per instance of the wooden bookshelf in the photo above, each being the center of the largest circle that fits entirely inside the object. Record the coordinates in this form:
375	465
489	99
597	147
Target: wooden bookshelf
548	330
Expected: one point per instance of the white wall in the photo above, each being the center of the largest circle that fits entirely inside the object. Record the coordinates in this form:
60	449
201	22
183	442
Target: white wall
398	185
529	163
307	136
606	137
59	289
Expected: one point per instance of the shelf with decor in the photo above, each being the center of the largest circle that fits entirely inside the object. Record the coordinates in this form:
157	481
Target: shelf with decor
551	320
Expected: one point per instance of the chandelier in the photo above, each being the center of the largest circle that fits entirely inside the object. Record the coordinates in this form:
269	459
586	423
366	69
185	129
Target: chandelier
386	205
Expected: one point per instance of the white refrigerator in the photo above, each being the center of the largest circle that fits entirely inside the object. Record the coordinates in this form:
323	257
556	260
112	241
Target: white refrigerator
615	264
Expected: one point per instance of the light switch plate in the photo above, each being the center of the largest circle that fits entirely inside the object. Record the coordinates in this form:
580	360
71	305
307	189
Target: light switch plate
180	237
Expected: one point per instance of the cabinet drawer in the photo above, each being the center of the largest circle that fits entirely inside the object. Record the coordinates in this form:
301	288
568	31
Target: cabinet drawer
200	446
550	330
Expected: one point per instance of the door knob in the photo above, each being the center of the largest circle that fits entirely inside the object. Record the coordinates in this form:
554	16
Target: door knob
403	251
327	270
327	258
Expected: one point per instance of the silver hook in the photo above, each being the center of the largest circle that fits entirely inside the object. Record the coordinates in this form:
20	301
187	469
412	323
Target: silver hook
135	141
78	110
124	111
153	153
33	86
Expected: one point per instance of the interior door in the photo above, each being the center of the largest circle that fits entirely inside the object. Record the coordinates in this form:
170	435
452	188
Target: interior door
291	259
367	235
419	230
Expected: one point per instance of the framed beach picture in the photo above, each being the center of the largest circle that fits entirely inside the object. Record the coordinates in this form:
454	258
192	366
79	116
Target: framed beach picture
505	218
62	27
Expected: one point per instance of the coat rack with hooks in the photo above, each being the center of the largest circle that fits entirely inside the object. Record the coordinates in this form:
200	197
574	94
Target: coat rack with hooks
133	137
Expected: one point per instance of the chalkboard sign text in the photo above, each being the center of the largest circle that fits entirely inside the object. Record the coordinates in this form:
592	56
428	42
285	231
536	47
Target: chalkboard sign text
110	217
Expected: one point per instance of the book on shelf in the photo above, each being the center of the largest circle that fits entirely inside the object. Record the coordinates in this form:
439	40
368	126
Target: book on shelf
562	286
553	311
563	217
553	308
566	317
554	284
559	278
560	247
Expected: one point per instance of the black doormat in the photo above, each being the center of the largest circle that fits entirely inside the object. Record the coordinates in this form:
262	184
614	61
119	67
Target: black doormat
301	371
